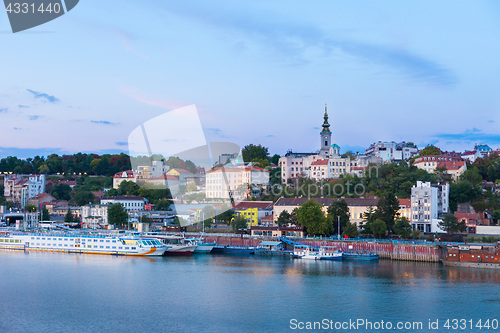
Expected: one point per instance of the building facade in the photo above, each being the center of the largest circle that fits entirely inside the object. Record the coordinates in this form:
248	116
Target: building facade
392	151
95	216
19	189
428	204
234	181
455	166
129	202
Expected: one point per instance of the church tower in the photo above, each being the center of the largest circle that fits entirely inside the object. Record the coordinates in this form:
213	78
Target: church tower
325	136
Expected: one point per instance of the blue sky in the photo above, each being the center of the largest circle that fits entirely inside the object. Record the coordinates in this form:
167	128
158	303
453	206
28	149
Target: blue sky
258	72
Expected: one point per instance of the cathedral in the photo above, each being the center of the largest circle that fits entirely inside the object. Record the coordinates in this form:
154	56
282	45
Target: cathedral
325	164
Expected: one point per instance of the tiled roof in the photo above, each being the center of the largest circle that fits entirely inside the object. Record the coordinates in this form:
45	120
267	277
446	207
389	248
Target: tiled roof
253	204
237	169
129	173
165	177
404	202
124	197
327	201
320	162
179	170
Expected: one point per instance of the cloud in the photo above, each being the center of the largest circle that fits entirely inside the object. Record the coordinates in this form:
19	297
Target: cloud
23	106
471	135
34	117
43	96
491	121
17	128
121	143
216	131
270	136
103	122
126	40
4	109
295	41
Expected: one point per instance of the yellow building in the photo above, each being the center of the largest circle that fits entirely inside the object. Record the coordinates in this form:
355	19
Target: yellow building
251	215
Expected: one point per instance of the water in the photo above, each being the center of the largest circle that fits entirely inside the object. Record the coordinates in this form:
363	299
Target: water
57	292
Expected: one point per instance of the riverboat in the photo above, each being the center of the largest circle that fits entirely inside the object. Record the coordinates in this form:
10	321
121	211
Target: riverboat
478	256
81	243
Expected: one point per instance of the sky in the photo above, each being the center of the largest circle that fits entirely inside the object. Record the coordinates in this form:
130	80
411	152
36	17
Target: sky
257	71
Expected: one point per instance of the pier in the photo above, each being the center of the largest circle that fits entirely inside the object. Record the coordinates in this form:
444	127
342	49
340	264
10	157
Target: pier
394	250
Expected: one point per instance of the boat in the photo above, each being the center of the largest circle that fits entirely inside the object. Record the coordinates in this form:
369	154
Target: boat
201	246
271	248
176	245
330	253
360	256
82	243
305	252
227	249
477	256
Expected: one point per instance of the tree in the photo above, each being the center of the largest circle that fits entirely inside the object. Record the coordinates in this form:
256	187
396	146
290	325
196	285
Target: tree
350	230
30	208
82	197
61	191
310	216
284	218
378	228
336	209
45	214
238	223
163	204
403	227
387	209
128	188
225	214
450	224
253	152
275	159
117	214
69	216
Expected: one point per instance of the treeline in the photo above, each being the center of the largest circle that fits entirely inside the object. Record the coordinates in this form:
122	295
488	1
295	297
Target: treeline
91	164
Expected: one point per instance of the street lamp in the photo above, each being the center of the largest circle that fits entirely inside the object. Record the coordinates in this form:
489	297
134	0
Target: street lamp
338	227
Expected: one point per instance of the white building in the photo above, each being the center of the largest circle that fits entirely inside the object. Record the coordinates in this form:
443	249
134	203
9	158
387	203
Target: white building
428	204
392	151
123	176
455	166
129	202
95	216
19	189
233	181
145	172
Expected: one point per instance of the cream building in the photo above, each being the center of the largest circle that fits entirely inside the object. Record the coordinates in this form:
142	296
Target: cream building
233	181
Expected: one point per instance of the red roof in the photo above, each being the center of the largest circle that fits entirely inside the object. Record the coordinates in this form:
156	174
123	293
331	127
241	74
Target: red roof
364	202
320	162
253	204
268	218
129	174
405	202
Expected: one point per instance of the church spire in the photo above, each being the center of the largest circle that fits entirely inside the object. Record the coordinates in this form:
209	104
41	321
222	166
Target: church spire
326	125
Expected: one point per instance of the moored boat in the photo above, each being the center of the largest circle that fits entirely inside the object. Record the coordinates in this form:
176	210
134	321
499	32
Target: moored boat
201	246
476	256
176	245
305	252
361	256
330	253
82	243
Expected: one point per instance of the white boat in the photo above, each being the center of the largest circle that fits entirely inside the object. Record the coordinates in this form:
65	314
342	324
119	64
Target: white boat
82	243
201	246
176	245
305	253
330	253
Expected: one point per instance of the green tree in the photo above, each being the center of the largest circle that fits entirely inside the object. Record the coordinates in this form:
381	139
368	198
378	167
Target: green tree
117	214
310	216
336	209
387	209
284	218
163	204
61	192
45	214
69	216
275	159
350	230
82	197
450	224
253	152
30	208
403	227
128	188
225	214
378	228
238	223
